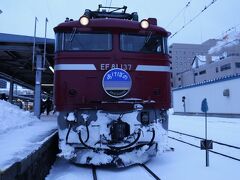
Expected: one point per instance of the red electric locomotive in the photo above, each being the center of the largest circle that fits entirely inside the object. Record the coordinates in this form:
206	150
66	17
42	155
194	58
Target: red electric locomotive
112	87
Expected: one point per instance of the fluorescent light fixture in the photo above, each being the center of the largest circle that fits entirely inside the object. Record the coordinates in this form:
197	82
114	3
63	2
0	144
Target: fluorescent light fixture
47	85
51	68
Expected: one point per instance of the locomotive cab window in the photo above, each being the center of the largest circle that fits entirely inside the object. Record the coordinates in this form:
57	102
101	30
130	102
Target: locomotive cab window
58	42
142	43
78	41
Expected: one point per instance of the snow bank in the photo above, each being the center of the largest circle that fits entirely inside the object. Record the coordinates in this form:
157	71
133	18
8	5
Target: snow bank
229	40
12	117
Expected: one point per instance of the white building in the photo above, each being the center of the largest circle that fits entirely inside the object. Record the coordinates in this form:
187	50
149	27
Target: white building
223	97
206	68
215	76
182	56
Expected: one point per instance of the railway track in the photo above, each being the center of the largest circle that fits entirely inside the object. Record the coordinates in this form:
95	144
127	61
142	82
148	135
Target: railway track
149	171
200	138
94	172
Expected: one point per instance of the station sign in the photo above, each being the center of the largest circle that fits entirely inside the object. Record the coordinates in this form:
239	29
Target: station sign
204	106
206	144
117	82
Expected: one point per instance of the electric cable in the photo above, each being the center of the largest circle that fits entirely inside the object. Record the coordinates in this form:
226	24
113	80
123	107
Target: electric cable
225	32
191	20
110	3
178	14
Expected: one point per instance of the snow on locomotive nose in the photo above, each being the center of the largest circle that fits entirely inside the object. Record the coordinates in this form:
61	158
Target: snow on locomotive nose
112	88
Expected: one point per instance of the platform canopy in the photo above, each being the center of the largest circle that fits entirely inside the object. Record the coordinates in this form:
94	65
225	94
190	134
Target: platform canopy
16	52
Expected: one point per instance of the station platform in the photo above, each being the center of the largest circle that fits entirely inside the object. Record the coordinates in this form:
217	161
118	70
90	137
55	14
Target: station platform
21	133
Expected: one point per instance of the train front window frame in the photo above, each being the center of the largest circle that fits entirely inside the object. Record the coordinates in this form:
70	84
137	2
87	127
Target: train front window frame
84	41
59	41
137	43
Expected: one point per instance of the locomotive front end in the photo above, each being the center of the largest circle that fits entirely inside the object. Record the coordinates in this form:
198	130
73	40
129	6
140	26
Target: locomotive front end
112	88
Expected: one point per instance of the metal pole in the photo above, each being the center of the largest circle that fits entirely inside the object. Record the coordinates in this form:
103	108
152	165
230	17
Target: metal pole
207	152
38	82
45	43
184	107
34	43
11	91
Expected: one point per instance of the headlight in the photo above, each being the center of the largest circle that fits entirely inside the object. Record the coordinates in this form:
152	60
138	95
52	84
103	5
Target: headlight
84	20
144	24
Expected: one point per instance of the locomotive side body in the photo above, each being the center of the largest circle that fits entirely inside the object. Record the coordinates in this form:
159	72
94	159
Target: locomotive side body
112	89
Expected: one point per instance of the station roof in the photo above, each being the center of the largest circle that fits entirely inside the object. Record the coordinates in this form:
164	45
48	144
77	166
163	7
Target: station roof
16	53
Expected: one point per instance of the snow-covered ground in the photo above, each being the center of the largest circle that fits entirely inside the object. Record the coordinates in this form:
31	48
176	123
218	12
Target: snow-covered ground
21	133
184	163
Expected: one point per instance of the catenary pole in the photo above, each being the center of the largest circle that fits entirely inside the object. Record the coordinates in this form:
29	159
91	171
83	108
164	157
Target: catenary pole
45	43
34	43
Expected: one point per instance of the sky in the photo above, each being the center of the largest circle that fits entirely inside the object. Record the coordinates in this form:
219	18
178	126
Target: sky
17	16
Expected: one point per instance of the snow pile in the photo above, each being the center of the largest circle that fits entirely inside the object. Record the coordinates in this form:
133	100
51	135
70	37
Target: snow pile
202	60
229	40
67	150
92	157
99	133
12	117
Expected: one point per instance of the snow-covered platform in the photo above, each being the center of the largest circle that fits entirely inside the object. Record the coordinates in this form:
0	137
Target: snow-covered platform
21	133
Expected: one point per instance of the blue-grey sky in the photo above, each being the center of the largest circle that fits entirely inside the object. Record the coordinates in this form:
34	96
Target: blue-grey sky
18	15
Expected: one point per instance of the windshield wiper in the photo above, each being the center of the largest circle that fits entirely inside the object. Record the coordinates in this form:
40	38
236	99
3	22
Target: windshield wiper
148	37
72	35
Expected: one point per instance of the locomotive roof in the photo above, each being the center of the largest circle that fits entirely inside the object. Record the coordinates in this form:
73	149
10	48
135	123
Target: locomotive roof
108	24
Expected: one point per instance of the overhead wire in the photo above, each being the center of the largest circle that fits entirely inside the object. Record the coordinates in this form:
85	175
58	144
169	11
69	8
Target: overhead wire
191	20
110	3
229	43
225	32
180	12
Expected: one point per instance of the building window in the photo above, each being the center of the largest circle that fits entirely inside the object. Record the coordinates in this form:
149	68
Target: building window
216	69
237	64
195	74
225	67
179	79
3	84
202	72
